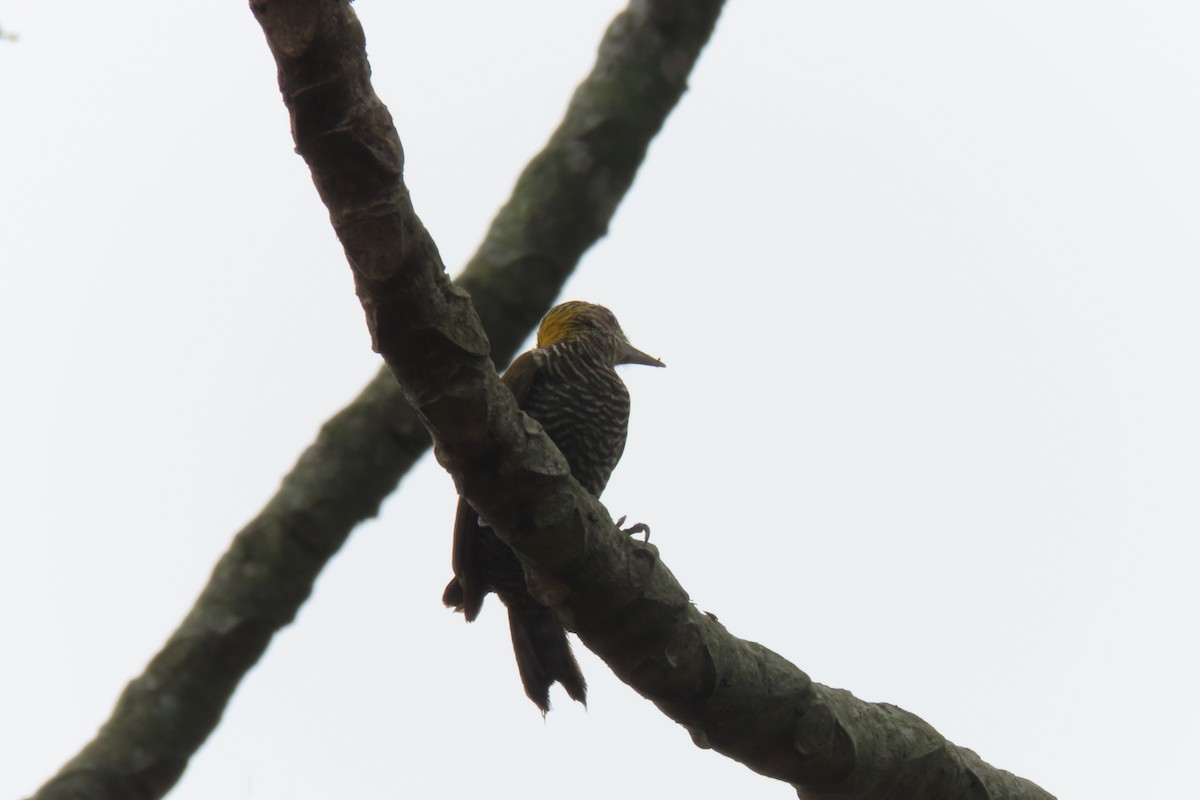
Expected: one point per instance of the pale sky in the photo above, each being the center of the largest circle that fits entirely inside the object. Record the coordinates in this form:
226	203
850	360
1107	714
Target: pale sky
925	277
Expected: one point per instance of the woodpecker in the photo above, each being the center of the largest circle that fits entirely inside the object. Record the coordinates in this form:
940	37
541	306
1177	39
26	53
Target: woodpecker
569	384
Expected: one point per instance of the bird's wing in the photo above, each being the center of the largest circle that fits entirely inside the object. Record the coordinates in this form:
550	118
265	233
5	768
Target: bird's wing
468	587
520	375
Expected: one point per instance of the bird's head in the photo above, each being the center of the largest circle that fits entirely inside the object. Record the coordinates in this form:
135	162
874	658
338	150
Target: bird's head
596	326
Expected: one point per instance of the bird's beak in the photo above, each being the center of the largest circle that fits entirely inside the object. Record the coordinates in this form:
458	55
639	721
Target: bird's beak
631	355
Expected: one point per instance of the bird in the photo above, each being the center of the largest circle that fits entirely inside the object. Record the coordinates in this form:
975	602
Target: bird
569	384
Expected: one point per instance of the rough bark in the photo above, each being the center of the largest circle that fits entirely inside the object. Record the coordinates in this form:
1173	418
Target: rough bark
560	206
734	696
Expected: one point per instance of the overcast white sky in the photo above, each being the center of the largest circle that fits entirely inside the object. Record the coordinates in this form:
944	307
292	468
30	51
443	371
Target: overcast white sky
925	276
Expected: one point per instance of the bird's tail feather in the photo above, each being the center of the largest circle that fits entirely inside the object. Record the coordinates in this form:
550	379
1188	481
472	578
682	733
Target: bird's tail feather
544	655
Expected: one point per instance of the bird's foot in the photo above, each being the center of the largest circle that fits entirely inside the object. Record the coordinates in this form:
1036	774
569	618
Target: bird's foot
636	528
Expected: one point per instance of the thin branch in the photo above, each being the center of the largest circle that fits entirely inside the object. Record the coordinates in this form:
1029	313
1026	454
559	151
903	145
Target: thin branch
734	696
560	206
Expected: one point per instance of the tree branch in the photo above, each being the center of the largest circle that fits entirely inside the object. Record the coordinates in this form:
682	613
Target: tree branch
734	696
560	206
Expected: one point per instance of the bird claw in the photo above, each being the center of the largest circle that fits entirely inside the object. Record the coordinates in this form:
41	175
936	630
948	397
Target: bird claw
636	528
